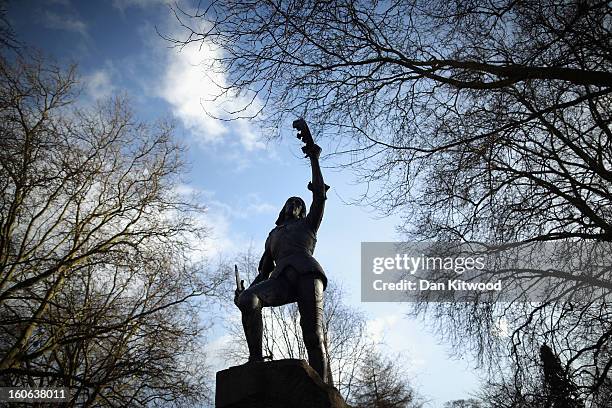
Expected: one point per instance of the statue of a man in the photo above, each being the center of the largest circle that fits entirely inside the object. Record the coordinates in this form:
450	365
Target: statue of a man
288	272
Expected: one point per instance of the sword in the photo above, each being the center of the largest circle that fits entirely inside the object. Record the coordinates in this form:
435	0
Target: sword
303	134
239	282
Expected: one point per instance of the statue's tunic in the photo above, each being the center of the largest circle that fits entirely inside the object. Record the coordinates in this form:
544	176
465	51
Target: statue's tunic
293	243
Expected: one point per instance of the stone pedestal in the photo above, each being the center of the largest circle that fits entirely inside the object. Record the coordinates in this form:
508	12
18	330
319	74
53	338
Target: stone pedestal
275	384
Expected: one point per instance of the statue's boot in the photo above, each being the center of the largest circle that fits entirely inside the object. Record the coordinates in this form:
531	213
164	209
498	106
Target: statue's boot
317	360
253	329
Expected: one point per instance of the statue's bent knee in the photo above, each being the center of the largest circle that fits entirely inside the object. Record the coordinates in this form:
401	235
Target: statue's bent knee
249	301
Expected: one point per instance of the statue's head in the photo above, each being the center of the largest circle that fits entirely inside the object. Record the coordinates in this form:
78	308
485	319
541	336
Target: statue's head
294	208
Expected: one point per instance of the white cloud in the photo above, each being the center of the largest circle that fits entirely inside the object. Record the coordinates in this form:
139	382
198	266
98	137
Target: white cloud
378	328
64	22
98	84
262	208
193	85
215	351
186	190
224	221
220	219
220	239
124	4
249	139
250	205
189	88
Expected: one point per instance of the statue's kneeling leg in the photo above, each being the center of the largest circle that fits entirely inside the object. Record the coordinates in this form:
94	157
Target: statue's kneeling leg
250	305
310	303
271	292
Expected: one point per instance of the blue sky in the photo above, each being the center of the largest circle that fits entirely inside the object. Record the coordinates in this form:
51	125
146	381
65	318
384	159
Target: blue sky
242	178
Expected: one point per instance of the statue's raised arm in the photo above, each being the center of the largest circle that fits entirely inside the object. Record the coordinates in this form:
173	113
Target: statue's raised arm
317	186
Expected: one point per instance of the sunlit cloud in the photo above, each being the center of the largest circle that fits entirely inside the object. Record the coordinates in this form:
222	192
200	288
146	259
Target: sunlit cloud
378	328
190	89
222	221
193	84
98	84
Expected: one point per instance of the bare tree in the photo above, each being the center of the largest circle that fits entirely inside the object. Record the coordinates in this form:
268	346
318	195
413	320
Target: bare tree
464	403
98	286
380	385
549	387
8	38
560	390
478	121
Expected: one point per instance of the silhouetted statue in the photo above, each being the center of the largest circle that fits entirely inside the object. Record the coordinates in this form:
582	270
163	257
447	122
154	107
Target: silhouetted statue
287	271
